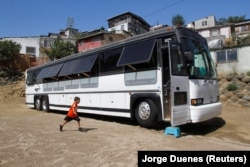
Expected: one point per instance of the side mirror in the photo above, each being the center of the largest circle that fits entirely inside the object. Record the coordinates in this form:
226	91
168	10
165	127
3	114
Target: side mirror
189	56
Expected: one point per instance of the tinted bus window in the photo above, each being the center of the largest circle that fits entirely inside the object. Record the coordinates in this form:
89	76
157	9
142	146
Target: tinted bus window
109	60
148	64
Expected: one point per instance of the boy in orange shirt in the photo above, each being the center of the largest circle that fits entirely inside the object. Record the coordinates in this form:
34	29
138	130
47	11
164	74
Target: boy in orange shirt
72	114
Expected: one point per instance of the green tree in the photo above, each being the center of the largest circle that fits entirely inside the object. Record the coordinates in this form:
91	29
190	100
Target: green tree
222	21
178	20
8	50
231	19
244	40
59	49
236	19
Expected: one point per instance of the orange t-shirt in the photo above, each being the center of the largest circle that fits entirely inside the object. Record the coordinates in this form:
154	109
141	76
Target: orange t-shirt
71	110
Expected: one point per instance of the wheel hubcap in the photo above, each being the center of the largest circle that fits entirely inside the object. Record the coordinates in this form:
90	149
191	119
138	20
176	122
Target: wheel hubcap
144	110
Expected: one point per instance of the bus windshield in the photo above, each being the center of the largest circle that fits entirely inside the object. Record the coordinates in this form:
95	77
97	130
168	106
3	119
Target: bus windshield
201	65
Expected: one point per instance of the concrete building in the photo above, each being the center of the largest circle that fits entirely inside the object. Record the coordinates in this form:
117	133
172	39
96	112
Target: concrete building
119	27
242	29
29	45
128	22
206	22
217	35
97	38
227	52
32	45
233	60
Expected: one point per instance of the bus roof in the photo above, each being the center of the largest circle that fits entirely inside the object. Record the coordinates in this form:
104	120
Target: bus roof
146	36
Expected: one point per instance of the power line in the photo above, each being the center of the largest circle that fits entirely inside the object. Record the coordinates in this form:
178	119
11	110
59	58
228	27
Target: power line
166	7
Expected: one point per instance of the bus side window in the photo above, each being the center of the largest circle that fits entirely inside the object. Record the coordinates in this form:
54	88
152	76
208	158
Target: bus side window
151	64
109	60
95	69
31	77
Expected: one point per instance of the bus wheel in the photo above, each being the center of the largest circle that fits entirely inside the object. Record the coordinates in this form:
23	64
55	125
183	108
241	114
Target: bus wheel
38	104
45	104
145	112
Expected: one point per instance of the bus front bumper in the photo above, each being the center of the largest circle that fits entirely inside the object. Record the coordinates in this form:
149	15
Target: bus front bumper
205	112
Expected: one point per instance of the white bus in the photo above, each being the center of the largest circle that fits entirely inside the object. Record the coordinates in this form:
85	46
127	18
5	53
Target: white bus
164	75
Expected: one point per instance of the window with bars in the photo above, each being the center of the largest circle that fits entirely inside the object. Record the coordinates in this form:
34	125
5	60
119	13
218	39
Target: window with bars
31	50
204	23
225	56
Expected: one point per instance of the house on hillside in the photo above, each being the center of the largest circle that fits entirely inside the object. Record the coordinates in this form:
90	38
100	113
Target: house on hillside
32	45
242	28
97	38
120	27
225	43
214	34
67	35
217	36
221	35
206	22
128	22
29	45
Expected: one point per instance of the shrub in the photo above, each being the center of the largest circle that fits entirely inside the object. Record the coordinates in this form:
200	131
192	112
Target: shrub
231	87
3	74
248	73
229	42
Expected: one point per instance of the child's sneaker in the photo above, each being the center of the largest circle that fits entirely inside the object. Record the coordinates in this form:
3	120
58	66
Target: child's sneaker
61	127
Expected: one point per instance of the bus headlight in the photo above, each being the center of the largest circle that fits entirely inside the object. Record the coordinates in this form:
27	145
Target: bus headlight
196	102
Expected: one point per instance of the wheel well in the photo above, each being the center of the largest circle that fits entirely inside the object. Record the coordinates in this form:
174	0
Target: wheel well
45	97
40	97
136	98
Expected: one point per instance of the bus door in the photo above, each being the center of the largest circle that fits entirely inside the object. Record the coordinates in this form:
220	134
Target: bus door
179	85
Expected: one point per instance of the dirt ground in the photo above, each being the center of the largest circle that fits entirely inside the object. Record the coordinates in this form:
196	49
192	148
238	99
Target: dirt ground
31	138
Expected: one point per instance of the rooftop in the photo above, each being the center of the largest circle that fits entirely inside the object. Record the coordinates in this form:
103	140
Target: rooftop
132	14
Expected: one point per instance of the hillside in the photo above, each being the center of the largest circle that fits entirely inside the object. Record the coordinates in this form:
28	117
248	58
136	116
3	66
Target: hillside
12	87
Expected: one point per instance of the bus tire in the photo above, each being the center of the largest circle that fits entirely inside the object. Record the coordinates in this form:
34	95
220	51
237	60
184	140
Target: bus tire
38	104
45	104
145	112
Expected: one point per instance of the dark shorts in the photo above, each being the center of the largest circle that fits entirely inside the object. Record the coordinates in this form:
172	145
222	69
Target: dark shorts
68	119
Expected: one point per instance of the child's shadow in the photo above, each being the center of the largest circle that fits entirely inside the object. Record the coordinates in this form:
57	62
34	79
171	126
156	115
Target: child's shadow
86	129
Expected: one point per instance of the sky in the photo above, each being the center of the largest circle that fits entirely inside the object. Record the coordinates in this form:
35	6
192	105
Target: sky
24	18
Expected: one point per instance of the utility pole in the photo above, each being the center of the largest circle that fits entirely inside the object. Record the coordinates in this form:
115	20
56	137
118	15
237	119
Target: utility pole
70	22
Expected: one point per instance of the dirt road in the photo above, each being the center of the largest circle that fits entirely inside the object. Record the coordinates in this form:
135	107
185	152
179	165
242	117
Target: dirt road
31	138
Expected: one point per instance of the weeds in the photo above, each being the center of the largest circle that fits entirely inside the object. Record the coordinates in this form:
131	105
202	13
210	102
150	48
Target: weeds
231	87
